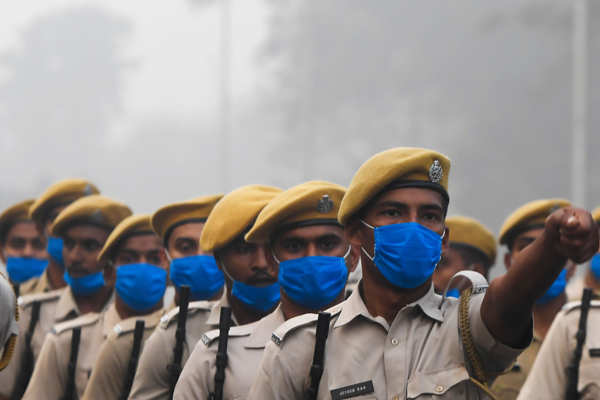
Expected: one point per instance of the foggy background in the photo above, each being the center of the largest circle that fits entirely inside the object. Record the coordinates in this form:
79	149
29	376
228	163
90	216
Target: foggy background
131	96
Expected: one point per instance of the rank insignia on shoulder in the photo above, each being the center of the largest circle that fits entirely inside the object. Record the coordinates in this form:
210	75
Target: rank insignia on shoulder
325	204
436	172
594	353
275	339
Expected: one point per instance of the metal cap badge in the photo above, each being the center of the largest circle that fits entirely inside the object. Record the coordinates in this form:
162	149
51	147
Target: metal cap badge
436	172
325	204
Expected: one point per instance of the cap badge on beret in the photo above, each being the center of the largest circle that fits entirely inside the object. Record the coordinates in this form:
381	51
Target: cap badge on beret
436	172
325	204
88	190
554	208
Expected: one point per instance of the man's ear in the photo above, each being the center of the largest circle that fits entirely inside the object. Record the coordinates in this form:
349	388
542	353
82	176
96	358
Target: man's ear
354	256
352	232
2	257
507	260
446	238
110	275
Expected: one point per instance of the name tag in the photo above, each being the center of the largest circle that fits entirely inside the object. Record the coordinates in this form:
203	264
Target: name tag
594	352
355	390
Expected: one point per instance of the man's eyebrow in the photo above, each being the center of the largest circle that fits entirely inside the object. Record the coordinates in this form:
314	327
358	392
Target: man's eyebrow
185	238
430	206
391	203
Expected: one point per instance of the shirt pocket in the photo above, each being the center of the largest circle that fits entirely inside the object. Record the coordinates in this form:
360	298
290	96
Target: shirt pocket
445	384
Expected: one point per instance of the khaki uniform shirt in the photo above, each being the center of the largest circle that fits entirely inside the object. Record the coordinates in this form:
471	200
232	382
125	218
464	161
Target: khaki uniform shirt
152	377
508	385
418	356
49	379
575	288
548	377
56	306
39	284
244	351
111	368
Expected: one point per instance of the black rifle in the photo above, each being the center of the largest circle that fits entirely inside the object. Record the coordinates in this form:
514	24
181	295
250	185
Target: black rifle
573	368
70	391
174	368
224	325
317	367
28	363
138	335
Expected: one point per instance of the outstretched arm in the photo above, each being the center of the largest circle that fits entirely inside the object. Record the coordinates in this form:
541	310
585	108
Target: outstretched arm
570	233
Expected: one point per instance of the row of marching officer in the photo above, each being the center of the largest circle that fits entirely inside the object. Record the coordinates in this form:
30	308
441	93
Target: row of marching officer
265	305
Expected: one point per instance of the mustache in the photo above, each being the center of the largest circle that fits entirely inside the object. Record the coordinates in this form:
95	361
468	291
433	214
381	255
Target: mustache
77	269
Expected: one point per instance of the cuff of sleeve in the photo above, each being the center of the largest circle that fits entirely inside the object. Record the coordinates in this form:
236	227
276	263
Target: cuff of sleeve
496	356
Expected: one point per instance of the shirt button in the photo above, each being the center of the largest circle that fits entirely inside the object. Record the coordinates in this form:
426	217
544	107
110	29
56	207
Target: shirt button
395	341
439	388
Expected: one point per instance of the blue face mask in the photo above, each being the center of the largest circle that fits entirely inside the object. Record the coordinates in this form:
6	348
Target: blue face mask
21	269
200	272
55	249
555	290
313	282
261	298
405	254
141	286
595	265
86	285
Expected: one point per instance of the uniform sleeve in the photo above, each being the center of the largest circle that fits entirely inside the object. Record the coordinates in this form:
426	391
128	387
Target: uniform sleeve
48	380
10	374
281	374
151	380
548	378
197	378
496	356
109	372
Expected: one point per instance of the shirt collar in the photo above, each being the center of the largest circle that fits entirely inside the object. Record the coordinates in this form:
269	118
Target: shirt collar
110	319
215	312
355	306
264	329
66	307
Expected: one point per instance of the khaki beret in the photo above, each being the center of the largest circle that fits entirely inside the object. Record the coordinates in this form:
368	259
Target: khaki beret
395	168
233	214
134	224
61	193
310	203
531	215
13	214
596	215
170	216
470	232
95	209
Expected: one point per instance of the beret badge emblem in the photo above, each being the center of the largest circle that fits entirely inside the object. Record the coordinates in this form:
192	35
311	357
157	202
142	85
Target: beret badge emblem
436	172
325	204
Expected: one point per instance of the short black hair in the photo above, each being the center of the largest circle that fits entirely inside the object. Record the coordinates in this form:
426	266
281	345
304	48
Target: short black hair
471	255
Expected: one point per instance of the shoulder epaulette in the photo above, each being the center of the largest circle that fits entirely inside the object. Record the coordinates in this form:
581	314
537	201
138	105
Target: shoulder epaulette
83	320
575	305
29	299
300	321
193	307
235	331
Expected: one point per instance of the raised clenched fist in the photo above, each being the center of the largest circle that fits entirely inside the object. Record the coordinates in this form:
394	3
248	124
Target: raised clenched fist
573	233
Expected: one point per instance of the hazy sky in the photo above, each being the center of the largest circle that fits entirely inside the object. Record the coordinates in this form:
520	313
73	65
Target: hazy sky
127	94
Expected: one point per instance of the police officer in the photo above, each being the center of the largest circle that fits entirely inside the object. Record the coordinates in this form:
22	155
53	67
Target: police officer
300	227
472	247
591	277
520	229
22	246
551	376
138	256
43	211
394	338
84	226
228	219
49	303
9	329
